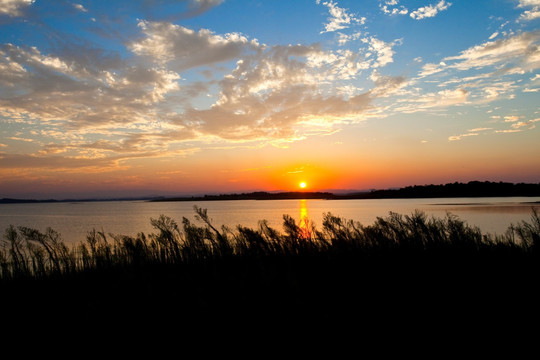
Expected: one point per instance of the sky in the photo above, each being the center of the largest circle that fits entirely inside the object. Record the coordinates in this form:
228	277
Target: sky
156	97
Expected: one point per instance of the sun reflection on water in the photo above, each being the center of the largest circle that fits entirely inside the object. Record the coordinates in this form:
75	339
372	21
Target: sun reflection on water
304	224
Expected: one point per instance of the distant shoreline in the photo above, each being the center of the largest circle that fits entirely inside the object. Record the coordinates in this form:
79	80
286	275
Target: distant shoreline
473	189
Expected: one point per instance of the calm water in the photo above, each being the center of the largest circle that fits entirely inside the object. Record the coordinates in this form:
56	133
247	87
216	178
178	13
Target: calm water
74	220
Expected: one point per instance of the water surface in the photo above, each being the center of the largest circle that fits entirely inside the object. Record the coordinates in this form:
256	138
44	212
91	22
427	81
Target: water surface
74	219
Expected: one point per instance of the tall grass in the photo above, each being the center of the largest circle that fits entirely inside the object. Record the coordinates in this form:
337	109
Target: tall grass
29	253
400	270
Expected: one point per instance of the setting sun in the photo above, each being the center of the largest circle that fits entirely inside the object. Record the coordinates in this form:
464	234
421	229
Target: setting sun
303	185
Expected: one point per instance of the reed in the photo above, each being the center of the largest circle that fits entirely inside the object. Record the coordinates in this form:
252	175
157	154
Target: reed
204	272
27	252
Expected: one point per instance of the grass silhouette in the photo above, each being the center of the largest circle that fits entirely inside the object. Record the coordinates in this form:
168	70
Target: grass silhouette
405	267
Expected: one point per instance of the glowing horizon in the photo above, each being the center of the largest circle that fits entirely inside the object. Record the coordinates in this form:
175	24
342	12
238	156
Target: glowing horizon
188	97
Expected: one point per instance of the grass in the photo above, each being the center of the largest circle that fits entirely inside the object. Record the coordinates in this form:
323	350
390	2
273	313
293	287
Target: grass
405	267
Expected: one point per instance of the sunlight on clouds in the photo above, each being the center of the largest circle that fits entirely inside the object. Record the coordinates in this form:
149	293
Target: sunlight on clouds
80	7
430	10
339	17
521	47
440	99
14	7
383	50
459	137
185	48
533	13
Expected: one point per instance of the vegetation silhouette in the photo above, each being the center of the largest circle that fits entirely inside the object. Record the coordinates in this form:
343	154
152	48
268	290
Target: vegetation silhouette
402	267
450	190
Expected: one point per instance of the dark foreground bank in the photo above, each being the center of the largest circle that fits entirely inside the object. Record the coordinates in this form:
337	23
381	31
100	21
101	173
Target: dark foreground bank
403	270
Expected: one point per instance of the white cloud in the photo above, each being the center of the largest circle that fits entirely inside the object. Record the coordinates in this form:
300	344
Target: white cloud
344	38
401	10
533	13
64	91
523	3
14	8
339	17
518	125
274	93
518	53
459	137
430	10
383	50
441	99
80	7
471	132
512	118
185	48
430	69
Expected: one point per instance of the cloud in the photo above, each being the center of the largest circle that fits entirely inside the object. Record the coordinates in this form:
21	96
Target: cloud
14	8
401	10
80	7
383	50
430	69
272	93
434	100
471	132
339	17
56	163
494	35
168	10
533	13
61	89
514	54
522	48
459	137
512	118
344	38
529	123
386	85
523	3
430	10
516	126
199	6
184	48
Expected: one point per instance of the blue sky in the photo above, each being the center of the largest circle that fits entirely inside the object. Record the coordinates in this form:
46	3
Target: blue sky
156	96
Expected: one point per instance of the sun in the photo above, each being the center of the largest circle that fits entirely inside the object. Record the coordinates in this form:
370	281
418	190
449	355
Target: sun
303	185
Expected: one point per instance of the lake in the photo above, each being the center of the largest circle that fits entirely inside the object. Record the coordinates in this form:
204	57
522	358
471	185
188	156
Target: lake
74	219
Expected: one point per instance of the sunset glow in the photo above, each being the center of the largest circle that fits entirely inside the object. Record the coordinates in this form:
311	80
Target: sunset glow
137	98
